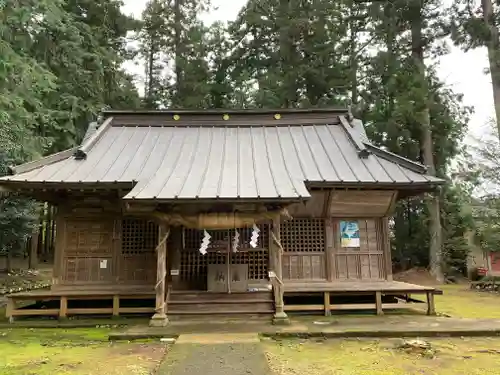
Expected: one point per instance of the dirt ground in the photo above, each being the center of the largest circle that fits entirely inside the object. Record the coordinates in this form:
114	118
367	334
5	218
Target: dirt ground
76	352
384	357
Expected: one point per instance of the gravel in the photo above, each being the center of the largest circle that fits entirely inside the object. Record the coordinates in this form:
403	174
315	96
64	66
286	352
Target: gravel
216	359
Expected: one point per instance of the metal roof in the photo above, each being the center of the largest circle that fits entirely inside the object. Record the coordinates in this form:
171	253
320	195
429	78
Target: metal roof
255	161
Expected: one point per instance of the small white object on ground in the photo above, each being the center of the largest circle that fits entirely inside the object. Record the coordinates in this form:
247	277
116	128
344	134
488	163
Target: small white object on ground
168	340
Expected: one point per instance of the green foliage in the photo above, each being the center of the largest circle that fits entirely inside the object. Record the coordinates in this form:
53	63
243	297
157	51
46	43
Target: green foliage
60	65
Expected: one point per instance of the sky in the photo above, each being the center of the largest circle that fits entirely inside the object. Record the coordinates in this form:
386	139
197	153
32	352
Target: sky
464	72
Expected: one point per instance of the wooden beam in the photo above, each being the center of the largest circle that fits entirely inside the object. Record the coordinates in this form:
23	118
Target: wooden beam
392	204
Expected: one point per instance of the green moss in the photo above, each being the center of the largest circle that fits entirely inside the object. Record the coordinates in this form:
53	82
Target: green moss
381	357
461	302
73	351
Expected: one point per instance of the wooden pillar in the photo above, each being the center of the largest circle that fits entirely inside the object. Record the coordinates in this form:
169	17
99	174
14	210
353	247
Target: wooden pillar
280	316
59	249
175	256
330	249
378	303
431	307
160	319
33	254
386	247
63	307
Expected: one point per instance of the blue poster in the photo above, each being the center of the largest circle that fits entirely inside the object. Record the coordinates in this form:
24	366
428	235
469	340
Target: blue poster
349	234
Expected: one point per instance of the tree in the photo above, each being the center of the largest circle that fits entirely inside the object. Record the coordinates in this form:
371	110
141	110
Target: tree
475	24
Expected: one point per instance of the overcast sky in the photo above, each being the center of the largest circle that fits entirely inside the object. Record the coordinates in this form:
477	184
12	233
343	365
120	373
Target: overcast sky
464	72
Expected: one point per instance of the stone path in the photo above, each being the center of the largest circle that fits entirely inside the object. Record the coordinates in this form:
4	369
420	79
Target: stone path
222	354
384	326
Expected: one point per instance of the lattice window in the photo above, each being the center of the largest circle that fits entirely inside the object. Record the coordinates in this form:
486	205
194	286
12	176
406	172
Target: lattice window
139	236
303	235
223	238
194	265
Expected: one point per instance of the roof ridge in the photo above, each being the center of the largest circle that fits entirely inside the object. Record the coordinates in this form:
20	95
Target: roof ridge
363	152
395	158
81	151
38	163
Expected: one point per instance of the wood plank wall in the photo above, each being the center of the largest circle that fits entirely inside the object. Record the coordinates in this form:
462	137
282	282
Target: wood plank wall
312	254
90	248
99	247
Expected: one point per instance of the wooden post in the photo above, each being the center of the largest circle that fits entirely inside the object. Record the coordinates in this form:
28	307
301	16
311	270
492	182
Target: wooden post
116	305
431	308
175	256
326	298
160	319
280	316
63	307
378	303
330	249
386	247
11	306
33	257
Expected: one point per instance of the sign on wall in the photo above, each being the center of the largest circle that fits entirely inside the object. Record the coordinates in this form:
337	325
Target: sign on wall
349	233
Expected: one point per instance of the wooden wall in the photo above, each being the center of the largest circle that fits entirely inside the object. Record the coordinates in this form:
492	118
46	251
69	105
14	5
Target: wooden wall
99	247
312	240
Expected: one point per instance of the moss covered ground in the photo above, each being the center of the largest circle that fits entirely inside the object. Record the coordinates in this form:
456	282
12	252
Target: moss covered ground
74	351
384	357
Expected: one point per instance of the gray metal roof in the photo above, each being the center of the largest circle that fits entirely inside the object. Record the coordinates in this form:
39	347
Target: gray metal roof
182	162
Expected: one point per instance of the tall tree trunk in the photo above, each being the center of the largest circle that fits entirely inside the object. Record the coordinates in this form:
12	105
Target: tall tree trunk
8	261
178	51
285	53
493	45
426	145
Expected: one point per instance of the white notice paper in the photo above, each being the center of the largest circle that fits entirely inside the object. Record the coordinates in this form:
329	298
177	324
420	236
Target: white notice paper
174	272
104	263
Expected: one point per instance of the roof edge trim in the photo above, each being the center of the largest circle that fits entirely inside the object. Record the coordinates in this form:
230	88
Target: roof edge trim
363	152
395	158
81	152
51	159
180	111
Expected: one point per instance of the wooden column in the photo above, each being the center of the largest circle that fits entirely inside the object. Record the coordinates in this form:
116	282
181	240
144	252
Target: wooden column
175	256
160	318
330	249
386	247
280	316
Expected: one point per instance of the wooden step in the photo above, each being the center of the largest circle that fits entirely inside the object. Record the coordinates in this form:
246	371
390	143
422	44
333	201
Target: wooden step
208	296
172	302
221	308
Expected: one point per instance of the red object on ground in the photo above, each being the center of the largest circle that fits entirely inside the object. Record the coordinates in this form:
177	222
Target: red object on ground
482	271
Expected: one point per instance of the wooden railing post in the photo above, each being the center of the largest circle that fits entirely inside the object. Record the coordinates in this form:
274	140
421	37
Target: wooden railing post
280	316
160	318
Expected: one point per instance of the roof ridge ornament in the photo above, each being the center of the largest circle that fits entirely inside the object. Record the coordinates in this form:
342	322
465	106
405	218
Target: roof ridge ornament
81	152
363	152
350	116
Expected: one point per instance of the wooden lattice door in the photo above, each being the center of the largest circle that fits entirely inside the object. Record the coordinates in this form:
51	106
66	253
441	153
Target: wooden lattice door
303	240
194	265
139	238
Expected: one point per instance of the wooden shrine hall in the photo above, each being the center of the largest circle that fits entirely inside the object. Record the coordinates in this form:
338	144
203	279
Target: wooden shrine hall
180	213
